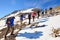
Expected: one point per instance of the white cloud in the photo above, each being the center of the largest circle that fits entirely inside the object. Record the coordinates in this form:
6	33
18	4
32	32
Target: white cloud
36	3
40	3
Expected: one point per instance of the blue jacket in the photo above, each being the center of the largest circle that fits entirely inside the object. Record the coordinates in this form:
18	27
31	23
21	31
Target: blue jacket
11	21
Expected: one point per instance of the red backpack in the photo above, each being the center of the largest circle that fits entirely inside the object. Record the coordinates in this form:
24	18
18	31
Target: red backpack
33	14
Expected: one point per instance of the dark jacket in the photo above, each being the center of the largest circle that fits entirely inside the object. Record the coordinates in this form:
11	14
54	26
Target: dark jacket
21	17
29	16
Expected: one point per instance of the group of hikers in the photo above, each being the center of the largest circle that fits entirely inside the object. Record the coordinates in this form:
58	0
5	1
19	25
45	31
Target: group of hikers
10	22
32	15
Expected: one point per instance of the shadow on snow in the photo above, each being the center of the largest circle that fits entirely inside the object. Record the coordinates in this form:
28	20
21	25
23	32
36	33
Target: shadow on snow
34	35
42	20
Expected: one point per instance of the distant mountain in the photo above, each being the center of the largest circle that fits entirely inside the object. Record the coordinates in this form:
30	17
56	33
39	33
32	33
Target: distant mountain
57	8
16	12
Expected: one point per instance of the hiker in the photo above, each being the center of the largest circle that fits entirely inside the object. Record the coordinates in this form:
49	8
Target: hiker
38	14
29	17
51	14
45	12
42	13
21	18
10	24
33	15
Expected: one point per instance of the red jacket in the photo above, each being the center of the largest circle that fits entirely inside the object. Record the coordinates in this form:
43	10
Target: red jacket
33	14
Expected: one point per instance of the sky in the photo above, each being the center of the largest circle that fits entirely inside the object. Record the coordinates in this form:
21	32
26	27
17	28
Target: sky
8	6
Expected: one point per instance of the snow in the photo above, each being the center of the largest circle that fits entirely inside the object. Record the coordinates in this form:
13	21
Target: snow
50	22
27	11
47	30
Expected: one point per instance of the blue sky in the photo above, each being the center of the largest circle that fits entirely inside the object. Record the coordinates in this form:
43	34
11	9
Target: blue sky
8	6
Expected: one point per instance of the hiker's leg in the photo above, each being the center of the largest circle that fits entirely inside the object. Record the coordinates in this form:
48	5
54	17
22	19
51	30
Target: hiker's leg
7	31
33	18
12	28
29	21
21	21
38	15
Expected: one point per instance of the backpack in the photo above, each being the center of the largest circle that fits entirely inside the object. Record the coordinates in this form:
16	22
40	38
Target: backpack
8	21
33	14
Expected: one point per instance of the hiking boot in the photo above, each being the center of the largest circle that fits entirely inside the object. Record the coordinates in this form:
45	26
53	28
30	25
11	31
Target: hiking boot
12	34
5	37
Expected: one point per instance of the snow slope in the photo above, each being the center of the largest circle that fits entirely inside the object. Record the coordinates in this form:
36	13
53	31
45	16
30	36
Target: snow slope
40	33
46	31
